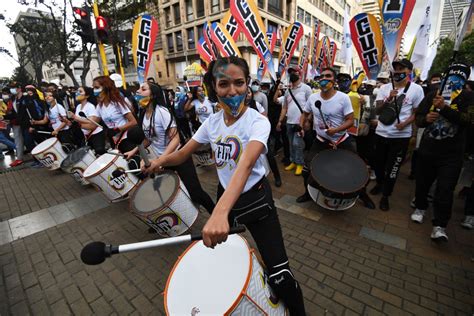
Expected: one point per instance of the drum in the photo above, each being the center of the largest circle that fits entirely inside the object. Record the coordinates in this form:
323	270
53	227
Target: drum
78	161
163	203
227	280
204	155
50	153
101	174
337	176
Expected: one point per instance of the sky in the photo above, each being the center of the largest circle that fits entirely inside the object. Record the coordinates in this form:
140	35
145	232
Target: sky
11	8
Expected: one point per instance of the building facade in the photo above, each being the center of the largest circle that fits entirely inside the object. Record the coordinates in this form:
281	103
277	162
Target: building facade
453	13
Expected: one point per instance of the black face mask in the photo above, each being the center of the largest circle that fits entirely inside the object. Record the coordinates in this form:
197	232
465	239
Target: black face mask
399	76
294	77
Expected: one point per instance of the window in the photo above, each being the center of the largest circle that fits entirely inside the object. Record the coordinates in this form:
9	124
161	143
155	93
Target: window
226	4
159	74
179	41
157	57
272	27
170	42
177	14
168	17
260	4
200	31
191	40
275	7
307	18
200	9
300	15
215	7
189	10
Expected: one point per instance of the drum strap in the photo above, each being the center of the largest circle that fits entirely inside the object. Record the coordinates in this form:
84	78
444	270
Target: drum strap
333	144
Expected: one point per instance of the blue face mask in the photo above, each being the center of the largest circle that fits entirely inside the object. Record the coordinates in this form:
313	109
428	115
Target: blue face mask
138	97
234	104
97	92
13	91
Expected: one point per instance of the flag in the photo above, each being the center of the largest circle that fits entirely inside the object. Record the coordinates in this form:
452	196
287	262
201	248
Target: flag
332	53
367	40
420	48
262	68
319	64
291	38
346	43
231	25
303	61
144	34
315	43
395	19
247	16
206	32
224	41
326	48
204	51
428	62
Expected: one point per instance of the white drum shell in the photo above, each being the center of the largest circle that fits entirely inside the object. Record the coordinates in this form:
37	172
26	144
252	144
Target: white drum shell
227	280
77	170
101	176
333	204
171	220
50	153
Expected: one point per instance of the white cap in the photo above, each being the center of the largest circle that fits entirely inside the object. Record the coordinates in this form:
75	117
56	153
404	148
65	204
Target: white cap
117	79
383	75
371	82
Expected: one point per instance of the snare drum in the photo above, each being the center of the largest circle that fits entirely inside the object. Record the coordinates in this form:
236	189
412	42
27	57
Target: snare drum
100	174
50	153
78	161
227	280
163	203
337	177
204	155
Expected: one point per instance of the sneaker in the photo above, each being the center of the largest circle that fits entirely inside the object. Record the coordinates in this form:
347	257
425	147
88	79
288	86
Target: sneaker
377	189
417	216
412	203
372	175
303	198
384	206
468	222
15	163
290	167
439	234
278	182
368	203
299	170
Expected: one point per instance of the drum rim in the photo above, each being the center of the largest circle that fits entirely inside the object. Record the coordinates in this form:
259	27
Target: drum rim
40	152
171	199
339	191
101	170
72	152
180	257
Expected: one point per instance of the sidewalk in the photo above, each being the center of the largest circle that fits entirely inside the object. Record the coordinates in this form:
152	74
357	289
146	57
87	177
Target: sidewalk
341	271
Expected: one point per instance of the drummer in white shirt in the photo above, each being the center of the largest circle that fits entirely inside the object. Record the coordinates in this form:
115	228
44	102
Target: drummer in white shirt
201	104
57	117
238	136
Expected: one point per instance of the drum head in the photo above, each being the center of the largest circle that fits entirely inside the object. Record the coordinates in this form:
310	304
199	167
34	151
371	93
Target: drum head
339	171
208	280
74	157
99	164
152	194
44	145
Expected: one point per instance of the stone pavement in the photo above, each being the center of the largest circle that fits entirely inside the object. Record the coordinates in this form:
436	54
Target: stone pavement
341	271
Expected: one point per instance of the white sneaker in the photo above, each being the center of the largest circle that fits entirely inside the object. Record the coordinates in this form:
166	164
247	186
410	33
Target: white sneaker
468	222
417	216
372	175
439	234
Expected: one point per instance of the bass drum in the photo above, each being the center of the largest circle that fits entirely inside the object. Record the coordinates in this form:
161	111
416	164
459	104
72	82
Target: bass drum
77	162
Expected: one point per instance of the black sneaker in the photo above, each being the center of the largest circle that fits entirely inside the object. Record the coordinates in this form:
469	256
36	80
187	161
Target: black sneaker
278	182
365	198
303	198
377	189
384	206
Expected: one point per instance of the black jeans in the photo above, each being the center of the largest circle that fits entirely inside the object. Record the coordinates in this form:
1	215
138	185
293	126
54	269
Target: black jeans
445	169
256	210
97	142
67	141
469	206
366	148
271	145
187	174
390	153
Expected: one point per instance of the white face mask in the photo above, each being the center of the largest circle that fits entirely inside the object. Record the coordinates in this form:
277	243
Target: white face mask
5	97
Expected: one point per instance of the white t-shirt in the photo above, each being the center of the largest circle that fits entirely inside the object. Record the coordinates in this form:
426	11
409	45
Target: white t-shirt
334	111
229	142
301	93
113	114
54	116
89	110
413	98
203	109
259	107
159	139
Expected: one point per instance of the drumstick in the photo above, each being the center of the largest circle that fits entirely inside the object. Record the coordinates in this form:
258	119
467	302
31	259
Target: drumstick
317	104
116	154
136	136
41	132
83	115
96	252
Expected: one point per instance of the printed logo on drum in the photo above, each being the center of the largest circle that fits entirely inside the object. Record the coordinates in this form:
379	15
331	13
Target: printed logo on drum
48	160
118	182
195	311
164	223
77	174
228	152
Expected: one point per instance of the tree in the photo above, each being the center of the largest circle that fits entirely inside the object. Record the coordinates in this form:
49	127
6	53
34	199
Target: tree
445	53
21	75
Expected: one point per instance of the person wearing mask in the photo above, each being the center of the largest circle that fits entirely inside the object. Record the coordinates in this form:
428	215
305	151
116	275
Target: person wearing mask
295	99
91	134
440	155
11	116
198	101
278	136
4	127
161	134
16	95
179	104
244	194
395	105
258	95
33	116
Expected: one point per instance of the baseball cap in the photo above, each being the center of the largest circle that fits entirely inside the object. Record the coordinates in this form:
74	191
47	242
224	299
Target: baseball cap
294	68
371	82
383	75
403	62
117	79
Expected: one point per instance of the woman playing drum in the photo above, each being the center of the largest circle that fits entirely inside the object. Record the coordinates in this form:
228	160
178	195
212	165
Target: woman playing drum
162	135
238	136
56	115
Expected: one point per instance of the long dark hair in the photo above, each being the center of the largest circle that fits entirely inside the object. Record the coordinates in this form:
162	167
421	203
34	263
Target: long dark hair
210	78
111	93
